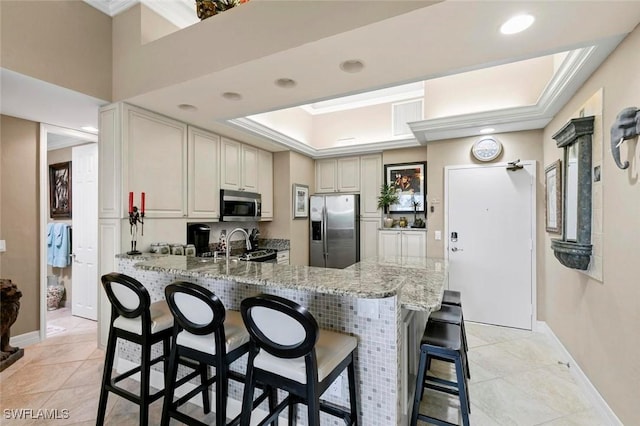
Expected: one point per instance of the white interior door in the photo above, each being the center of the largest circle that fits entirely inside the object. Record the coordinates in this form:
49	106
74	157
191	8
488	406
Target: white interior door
490	242
84	185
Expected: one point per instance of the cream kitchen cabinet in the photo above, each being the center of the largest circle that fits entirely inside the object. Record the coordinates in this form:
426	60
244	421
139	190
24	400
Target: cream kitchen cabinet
369	238
282	257
402	243
154	158
338	175
265	183
238	166
203	174
370	183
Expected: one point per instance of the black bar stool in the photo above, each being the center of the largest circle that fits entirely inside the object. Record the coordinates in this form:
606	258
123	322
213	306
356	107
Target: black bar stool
290	352
452	314
136	319
452	297
441	341
209	335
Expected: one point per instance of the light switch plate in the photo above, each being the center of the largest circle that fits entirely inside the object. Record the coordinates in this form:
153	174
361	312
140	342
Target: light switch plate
438	235
3	246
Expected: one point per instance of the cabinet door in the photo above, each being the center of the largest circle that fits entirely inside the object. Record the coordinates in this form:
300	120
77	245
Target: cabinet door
204	174
265	183
249	169
369	238
370	183
230	164
348	174
283	257
326	176
389	244
155	152
414	243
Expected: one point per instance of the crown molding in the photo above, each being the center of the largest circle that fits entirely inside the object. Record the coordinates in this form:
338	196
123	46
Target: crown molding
180	13
272	135
113	7
576	68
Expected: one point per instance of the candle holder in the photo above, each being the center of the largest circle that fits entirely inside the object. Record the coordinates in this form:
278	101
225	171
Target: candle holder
135	217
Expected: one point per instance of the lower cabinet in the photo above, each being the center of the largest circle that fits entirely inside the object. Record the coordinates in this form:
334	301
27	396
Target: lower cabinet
369	238
402	243
283	257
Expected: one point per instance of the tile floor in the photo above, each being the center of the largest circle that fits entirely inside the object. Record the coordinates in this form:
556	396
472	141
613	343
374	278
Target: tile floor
516	380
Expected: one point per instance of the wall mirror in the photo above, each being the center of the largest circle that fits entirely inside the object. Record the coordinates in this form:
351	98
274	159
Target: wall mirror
574	249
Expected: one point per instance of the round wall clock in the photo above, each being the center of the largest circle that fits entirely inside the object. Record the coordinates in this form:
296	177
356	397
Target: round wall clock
486	149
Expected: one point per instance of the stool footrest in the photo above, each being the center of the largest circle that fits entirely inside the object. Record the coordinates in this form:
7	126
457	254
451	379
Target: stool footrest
435	421
440	381
135	370
441	389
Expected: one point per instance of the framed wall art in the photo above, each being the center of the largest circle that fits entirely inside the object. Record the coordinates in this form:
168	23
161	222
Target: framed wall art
60	190
410	182
300	201
553	197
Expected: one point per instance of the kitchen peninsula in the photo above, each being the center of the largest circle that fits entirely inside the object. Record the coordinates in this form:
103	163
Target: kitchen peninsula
383	302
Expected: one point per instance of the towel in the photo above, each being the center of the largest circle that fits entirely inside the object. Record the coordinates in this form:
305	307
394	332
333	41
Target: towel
50	243
61	245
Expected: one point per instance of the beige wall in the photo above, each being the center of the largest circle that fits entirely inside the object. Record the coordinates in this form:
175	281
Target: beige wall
66	43
487	89
64	274
290	168
293	122
598	321
19	208
154	26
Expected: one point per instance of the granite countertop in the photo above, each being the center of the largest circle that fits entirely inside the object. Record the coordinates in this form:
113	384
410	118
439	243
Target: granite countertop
418	281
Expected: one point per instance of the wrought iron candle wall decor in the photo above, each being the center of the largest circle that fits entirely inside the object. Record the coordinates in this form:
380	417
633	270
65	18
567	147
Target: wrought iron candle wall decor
626	126
136	216
574	249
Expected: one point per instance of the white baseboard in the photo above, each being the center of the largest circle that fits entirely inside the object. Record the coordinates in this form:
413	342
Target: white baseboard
26	339
592	393
157	381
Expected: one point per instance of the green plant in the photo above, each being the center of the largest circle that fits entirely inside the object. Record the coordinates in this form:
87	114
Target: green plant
388	196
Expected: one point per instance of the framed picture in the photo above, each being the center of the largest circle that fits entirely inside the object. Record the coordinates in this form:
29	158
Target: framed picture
553	197
60	190
409	181
300	201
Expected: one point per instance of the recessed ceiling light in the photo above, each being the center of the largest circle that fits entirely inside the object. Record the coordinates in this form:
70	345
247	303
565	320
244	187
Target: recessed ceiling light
232	96
285	83
517	24
89	129
187	107
487	130
352	66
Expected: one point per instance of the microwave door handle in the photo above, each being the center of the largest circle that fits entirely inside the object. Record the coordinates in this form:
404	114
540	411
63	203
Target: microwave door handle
257	212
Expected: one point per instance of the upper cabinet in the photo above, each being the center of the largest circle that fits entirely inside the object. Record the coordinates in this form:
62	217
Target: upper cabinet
154	153
338	175
370	183
265	183
204	174
239	166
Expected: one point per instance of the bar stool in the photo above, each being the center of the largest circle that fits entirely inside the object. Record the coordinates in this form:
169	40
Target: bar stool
441	341
452	314
136	319
204	332
290	352
452	297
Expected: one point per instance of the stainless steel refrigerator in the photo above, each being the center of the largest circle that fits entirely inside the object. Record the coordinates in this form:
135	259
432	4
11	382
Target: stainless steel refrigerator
335	230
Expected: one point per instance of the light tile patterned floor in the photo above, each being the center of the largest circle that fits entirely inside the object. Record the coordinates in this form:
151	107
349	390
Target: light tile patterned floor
516	380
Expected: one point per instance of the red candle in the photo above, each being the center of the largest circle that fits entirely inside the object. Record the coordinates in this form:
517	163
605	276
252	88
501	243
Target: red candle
130	202
142	203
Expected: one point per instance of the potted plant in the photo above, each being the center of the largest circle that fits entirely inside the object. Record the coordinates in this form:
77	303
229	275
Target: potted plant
388	196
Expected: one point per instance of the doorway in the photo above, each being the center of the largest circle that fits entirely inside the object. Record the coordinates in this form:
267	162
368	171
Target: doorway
60	145
490	241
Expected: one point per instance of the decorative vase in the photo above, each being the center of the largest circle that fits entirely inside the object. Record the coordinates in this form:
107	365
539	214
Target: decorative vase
55	293
388	222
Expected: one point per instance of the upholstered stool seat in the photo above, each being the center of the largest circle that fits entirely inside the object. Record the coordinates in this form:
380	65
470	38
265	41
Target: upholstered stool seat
452	297
442	341
235	336
290	352
136	319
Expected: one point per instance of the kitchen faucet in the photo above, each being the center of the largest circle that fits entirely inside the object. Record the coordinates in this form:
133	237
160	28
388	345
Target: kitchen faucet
246	236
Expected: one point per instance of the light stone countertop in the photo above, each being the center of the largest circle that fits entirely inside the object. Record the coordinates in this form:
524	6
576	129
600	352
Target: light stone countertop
419	281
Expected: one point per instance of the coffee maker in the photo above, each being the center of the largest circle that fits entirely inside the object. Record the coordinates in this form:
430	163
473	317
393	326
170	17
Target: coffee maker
198	235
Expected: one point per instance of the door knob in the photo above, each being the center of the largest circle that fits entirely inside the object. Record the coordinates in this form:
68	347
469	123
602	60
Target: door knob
454	249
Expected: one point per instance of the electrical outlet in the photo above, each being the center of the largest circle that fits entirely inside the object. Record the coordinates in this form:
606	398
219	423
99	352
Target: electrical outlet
335	389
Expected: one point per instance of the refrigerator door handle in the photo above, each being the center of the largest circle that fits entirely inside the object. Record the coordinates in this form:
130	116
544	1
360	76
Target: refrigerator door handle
325	249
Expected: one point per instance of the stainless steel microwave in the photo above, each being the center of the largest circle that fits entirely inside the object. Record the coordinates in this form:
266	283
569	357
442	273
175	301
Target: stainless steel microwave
240	206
